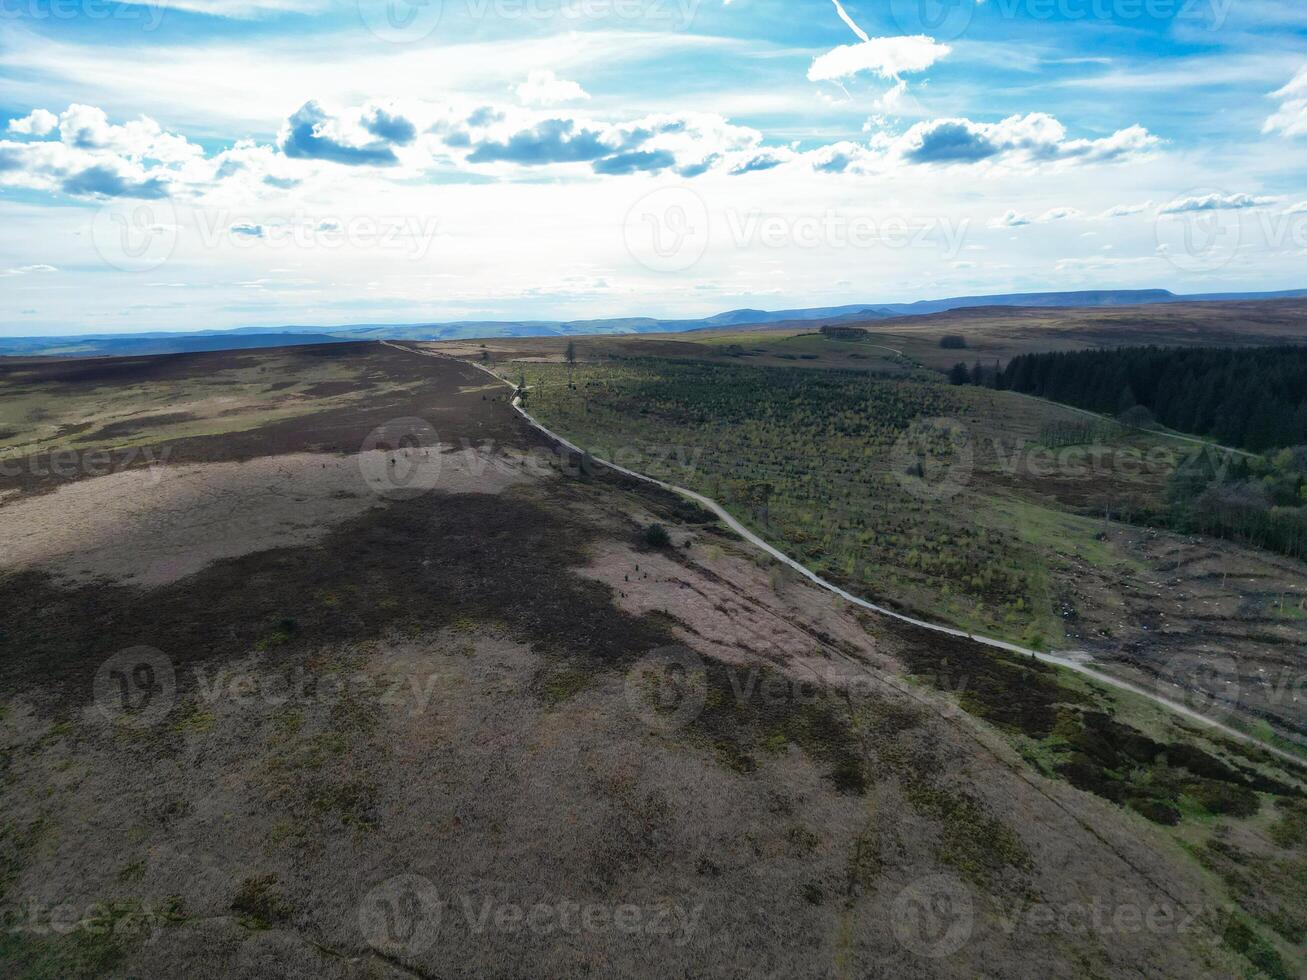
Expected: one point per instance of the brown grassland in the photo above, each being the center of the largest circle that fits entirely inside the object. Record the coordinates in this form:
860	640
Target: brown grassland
455	685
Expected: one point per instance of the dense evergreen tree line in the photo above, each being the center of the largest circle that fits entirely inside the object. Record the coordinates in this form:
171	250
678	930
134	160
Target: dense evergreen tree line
1253	398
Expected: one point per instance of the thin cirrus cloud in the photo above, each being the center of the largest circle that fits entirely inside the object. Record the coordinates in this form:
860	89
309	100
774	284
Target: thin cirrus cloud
26	270
1291	118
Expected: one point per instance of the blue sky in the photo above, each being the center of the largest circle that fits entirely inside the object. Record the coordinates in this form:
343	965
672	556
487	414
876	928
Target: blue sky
211	163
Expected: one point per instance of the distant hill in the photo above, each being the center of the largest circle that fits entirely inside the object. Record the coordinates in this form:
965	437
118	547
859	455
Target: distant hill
248	337
157	343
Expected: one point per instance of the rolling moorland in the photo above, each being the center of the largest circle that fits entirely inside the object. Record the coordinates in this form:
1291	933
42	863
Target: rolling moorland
1141	306
322	657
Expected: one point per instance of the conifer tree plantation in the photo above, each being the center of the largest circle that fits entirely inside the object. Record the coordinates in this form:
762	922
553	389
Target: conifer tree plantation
1252	399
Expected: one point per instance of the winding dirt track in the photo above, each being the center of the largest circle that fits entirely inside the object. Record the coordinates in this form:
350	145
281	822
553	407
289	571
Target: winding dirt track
712	505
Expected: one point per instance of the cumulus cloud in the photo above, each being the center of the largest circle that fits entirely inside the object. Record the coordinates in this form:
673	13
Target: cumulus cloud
838	158
103	180
1012	219
1291	118
388	126
1215	202
886	57
651	161
312	134
88	155
38	122
548	141
84	155
543	87
758	162
1015	219
1028	140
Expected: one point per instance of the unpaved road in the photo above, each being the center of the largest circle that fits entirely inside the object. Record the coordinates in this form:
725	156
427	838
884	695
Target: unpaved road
712	505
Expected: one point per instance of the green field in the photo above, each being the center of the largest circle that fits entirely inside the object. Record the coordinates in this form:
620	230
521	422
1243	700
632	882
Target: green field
822	464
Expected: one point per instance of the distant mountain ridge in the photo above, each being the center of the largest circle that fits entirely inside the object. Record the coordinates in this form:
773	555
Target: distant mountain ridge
239	338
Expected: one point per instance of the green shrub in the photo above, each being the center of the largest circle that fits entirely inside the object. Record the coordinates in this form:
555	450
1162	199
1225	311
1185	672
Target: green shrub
656	536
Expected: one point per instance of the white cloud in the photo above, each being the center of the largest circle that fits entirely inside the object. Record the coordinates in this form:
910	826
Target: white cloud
36	123
1021	141
887	57
1012	219
1291	118
26	270
543	87
1126	210
1215	202
1015	219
